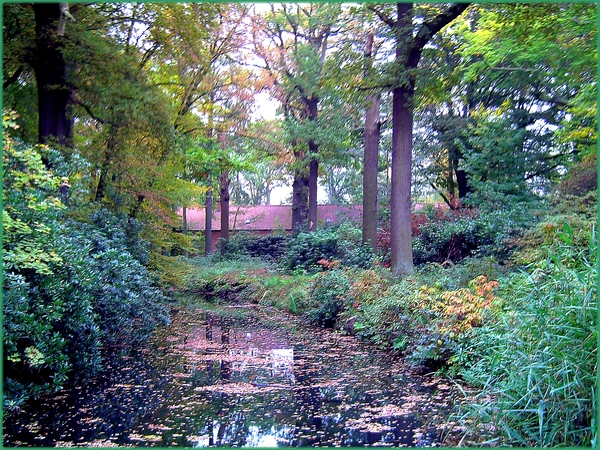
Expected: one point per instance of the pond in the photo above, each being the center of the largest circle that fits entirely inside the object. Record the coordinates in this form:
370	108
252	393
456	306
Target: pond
248	377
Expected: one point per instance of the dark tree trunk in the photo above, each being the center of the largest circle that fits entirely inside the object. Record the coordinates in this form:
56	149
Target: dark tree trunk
109	156
313	177
225	204
49	66
401	231
402	122
312	194
409	46
299	201
462	180
208	221
370	163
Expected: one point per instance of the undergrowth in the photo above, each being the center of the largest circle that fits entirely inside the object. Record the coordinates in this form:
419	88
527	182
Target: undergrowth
520	331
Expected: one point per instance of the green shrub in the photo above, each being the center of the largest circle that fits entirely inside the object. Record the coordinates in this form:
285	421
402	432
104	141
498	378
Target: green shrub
306	249
69	287
326	297
96	294
270	247
455	236
334	244
536	363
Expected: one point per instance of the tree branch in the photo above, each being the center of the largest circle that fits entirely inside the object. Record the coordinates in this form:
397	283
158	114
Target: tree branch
431	27
385	19
14	77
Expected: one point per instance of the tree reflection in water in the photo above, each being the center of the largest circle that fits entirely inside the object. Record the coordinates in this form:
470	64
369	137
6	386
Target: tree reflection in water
265	379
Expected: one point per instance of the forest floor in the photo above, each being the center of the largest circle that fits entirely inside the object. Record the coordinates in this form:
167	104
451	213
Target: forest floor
246	375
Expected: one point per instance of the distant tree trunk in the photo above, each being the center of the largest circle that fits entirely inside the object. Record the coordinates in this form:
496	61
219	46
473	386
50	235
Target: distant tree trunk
313	177
312	194
208	221
224	198
185	228
225	205
462	180
109	156
49	66
299	201
371	161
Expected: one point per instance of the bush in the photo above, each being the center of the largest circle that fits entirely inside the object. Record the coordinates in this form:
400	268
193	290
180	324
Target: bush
270	247
536	363
96	294
69	287
342	244
326	297
456	235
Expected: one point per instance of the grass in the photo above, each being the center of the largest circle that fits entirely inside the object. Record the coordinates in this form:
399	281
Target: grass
537	363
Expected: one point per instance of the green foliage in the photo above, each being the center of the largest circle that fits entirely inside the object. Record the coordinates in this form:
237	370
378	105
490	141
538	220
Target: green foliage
270	247
457	235
97	293
70	287
536	364
424	322
29	202
335	244
326	297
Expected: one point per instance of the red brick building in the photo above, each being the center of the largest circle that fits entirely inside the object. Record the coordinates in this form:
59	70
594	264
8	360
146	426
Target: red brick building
266	219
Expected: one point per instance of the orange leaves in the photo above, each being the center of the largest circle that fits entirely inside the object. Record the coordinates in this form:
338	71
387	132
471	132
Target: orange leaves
462	309
328	265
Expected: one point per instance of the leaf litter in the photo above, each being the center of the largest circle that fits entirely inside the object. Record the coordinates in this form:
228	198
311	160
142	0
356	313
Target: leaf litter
263	378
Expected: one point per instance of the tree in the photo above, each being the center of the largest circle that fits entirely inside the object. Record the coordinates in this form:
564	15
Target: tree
410	39
500	89
293	43
371	159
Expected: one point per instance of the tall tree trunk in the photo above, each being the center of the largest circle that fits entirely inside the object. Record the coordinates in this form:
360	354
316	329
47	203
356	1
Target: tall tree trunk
409	47
225	205
299	201
208	220
313	177
312	194
402	121
401	231
370	162
49	66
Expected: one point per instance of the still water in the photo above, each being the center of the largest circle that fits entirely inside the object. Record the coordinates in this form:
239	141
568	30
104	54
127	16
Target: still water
250	377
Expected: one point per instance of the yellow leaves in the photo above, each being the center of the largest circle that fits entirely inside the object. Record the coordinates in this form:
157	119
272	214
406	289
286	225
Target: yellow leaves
461	309
34	357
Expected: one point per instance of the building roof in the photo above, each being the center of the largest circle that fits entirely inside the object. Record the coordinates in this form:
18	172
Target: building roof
268	217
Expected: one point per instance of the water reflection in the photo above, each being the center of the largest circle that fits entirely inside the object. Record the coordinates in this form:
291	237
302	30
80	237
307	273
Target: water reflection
242	382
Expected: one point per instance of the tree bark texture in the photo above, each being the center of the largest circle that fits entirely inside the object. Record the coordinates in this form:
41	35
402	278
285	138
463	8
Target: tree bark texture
313	177
371	162
208	221
409	47
400	228
225	204
312	194
299	201
55	125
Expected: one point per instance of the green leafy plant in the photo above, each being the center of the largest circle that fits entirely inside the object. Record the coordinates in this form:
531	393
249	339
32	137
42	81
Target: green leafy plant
326	297
536	363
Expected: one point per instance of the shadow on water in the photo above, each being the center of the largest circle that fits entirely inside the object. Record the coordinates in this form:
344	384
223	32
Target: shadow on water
262	379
